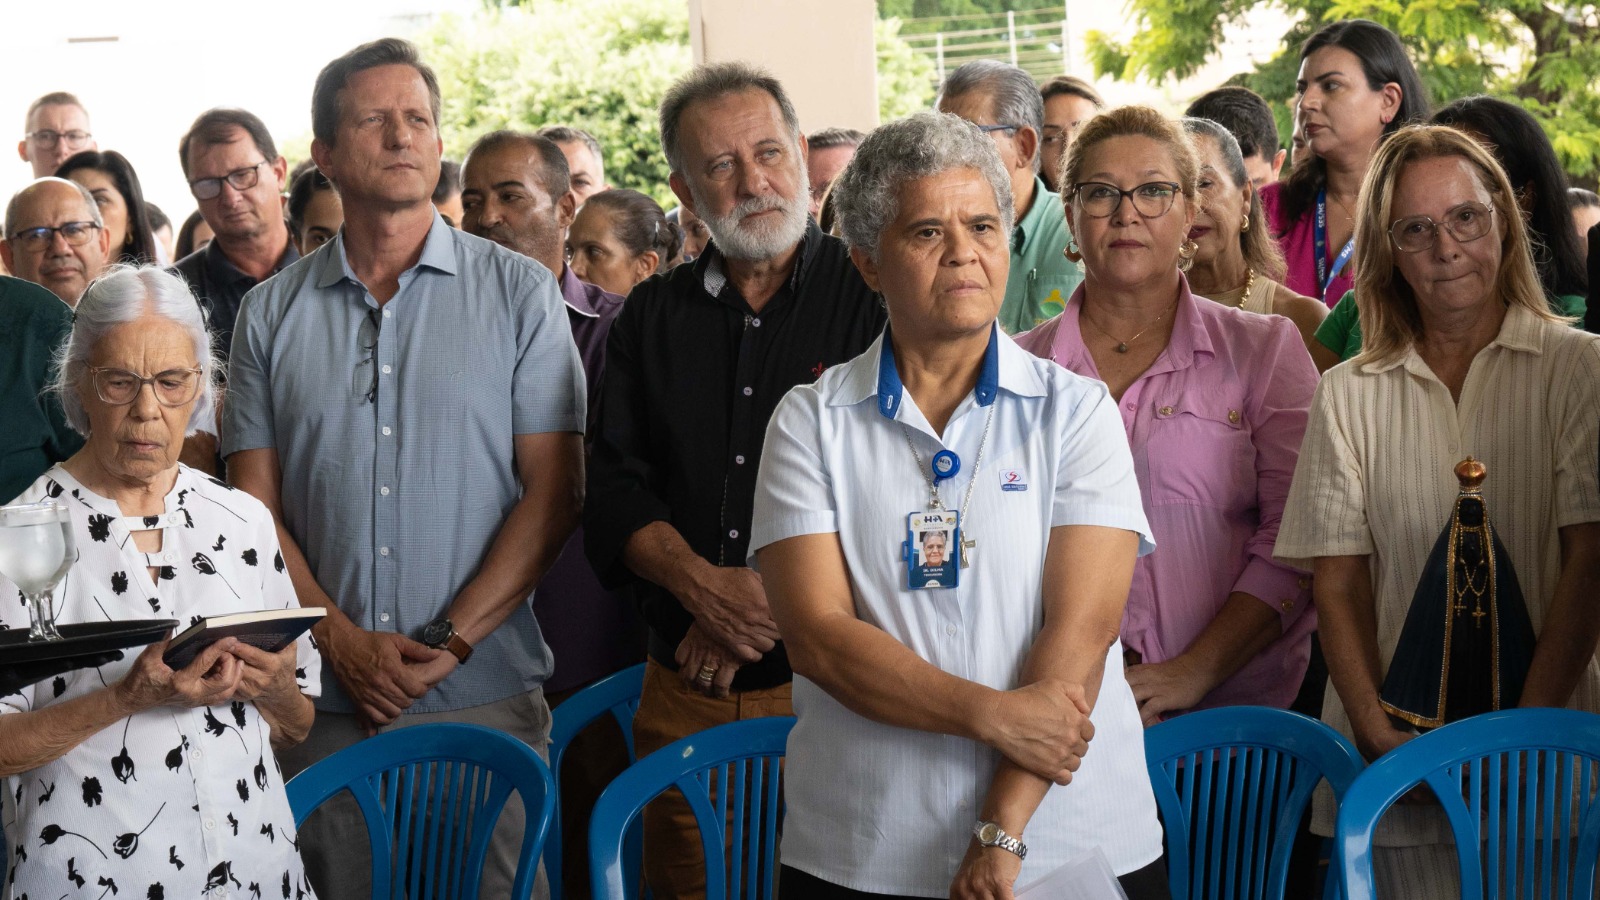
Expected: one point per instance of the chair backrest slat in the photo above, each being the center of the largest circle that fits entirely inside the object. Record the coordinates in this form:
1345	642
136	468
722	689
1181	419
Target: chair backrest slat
431	795
729	775
1517	789
1231	785
617	695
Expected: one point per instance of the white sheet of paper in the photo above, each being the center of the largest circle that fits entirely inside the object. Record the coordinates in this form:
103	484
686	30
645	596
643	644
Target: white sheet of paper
1088	877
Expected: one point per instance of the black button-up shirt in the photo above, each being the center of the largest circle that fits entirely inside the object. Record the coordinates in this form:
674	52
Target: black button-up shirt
692	376
220	286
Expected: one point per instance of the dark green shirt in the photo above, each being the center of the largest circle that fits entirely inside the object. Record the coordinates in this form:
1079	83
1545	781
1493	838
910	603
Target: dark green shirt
1341	330
33	436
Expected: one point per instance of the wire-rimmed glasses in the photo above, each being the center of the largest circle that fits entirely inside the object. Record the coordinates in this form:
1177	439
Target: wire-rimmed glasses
1466	222
366	377
76	234
119	387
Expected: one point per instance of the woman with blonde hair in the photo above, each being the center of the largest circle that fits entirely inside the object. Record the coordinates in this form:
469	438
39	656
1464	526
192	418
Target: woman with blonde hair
1462	358
1213	400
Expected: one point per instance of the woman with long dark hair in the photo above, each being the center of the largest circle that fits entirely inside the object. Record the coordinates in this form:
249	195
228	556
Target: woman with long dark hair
1520	146
115	185
1356	86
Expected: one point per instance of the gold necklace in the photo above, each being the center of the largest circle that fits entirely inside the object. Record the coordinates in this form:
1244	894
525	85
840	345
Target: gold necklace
1249	283
1122	345
1226	297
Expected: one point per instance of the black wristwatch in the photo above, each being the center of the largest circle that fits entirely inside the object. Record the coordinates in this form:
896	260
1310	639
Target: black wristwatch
440	634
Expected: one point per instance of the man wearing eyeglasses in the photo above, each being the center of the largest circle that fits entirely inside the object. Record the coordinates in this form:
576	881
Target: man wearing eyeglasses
1003	101
55	237
56	127
237	178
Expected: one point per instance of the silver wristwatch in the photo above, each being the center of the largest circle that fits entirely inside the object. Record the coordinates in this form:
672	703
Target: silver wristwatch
990	834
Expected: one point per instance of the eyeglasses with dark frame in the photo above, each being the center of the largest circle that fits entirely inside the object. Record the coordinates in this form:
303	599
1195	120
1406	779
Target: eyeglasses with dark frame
1466	222
241	179
47	140
76	234
1099	200
119	387
367	339
989	129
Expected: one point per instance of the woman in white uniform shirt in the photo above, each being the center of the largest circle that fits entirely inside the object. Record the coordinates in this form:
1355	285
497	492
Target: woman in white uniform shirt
982	691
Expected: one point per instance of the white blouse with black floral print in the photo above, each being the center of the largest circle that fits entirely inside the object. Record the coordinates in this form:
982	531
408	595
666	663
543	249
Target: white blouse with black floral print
173	802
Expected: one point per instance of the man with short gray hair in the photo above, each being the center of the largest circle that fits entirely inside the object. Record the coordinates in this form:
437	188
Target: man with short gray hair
770	304
586	164
1003	101
55	237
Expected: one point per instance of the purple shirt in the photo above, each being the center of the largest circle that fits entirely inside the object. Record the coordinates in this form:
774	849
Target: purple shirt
1298	242
591	631
1215	427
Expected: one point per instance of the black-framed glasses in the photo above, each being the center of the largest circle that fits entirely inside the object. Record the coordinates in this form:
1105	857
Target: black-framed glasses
366	377
1099	200
1465	222
76	234
119	387
990	129
47	140
241	179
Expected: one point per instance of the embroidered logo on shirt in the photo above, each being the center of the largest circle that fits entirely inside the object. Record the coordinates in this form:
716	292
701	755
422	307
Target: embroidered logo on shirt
1013	480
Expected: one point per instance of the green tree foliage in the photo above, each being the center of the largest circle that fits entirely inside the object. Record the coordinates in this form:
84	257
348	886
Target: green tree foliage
1544	54
599	65
905	77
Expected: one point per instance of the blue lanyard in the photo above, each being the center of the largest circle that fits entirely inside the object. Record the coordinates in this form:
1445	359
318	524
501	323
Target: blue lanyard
1320	236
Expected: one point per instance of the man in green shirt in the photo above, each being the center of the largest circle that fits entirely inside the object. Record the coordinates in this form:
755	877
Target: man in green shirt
33	323
1003	101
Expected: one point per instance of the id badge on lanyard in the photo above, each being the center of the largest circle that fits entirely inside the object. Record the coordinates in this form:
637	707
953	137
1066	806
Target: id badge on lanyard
1319	232
931	549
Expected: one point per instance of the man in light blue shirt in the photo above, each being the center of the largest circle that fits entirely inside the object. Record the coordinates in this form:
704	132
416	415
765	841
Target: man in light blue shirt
1003	101
409	403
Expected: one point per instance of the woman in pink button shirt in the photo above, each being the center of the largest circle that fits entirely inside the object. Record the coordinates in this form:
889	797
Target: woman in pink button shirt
1214	400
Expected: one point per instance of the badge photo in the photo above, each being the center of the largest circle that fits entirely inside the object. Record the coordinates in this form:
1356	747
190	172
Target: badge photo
932	539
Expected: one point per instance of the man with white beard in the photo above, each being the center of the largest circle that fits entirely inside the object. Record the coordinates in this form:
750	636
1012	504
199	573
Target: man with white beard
696	363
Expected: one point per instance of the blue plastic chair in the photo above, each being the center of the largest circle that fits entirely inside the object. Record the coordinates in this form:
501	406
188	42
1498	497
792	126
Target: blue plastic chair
1502	779
617	694
730	776
431	795
1232	785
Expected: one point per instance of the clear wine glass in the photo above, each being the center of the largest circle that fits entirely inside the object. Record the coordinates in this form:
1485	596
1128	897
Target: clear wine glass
35	553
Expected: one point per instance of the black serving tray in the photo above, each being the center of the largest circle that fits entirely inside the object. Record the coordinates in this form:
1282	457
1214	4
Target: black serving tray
85	639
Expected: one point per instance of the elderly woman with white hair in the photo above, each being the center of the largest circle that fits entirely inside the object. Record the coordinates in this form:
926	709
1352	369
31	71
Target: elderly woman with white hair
946	700
131	776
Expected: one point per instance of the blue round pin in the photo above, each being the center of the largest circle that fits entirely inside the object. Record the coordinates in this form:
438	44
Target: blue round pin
945	465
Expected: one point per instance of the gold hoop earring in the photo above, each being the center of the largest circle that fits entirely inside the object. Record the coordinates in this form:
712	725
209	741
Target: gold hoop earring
1246	226
1188	249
